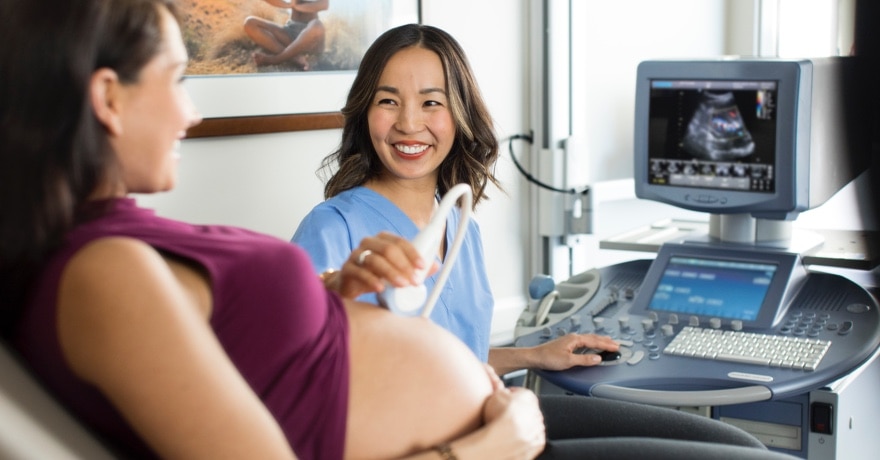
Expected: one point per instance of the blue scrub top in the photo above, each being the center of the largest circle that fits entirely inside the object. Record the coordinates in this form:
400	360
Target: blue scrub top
335	227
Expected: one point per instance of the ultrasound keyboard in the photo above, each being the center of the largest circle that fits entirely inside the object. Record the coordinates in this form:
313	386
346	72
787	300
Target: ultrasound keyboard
787	352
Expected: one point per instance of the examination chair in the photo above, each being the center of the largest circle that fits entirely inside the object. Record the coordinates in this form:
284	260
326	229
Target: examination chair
35	426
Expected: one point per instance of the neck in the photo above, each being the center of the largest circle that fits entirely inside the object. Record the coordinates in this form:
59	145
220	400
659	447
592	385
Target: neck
416	200
107	190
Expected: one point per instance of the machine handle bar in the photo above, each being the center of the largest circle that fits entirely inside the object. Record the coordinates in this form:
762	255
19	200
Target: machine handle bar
749	394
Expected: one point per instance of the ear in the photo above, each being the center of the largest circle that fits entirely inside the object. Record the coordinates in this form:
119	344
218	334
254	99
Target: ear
105	96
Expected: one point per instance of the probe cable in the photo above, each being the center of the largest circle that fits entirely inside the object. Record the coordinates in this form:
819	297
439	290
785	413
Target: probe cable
533	179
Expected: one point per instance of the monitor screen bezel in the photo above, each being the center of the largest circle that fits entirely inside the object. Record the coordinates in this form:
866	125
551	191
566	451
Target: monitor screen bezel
788	168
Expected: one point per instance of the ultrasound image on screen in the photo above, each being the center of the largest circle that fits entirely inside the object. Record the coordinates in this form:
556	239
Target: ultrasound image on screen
717	130
713	134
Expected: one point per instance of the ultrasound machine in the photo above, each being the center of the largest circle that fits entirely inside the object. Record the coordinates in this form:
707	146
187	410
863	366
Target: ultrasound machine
740	323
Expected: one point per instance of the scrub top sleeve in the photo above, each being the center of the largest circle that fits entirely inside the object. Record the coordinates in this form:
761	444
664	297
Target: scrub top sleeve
324	234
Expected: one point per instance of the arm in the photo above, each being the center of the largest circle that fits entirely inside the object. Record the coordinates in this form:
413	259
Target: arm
311	6
303	7
515	431
281	3
136	326
334	249
514	428
555	355
325	234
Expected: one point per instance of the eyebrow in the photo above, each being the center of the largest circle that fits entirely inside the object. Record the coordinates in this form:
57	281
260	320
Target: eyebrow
177	64
393	90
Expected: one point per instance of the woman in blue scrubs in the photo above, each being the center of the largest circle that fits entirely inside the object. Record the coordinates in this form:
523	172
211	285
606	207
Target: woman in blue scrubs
416	125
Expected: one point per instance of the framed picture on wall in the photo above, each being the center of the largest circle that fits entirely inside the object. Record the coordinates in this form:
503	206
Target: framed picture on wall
260	66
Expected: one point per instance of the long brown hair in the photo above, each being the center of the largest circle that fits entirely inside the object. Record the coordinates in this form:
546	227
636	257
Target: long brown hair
53	150
475	148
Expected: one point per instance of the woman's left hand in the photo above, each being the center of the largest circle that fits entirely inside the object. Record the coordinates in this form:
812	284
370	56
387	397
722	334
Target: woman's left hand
562	353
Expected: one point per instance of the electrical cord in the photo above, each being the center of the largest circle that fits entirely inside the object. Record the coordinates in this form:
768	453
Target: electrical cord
528	138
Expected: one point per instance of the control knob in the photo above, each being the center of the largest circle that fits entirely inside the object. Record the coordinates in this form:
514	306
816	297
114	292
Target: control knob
575	323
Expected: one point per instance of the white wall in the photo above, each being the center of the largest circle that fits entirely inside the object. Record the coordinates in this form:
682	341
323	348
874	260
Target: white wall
268	183
609	40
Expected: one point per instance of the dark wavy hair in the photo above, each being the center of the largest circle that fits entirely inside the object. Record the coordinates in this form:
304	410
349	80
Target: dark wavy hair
475	148
53	150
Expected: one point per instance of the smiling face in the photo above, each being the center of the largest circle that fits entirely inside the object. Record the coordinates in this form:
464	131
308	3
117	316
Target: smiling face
410	121
154	114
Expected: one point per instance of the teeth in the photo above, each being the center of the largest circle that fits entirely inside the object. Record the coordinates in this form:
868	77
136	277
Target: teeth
411	149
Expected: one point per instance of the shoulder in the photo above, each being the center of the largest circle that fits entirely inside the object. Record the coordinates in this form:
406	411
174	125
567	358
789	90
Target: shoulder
360	200
112	289
113	276
111	256
335	209
322	221
350	212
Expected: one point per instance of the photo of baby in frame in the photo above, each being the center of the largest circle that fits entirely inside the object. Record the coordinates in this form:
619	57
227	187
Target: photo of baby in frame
228	37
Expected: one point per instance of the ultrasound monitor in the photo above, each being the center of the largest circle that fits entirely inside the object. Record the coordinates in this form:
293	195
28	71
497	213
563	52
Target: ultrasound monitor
769	138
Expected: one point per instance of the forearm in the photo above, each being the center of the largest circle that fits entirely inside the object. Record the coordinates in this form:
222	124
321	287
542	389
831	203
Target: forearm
310	7
514	429
479	445
280	3
556	355
305	7
508	359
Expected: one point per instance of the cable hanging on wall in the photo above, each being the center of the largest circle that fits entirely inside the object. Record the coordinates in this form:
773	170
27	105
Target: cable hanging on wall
528	138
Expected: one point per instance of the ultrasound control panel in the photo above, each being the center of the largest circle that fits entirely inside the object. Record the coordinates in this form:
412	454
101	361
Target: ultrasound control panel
705	325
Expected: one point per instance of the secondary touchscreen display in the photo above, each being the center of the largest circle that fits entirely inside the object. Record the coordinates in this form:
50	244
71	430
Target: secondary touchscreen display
713	287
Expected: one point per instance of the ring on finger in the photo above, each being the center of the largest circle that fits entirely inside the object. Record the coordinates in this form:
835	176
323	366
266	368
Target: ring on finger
363	257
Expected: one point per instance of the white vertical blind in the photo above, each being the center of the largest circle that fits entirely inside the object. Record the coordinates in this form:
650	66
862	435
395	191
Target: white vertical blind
806	28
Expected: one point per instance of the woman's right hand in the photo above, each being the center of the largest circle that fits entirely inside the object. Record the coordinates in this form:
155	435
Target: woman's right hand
513	426
514	414
378	259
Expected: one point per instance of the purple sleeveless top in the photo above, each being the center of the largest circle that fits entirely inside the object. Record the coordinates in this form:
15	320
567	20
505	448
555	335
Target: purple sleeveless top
285	333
